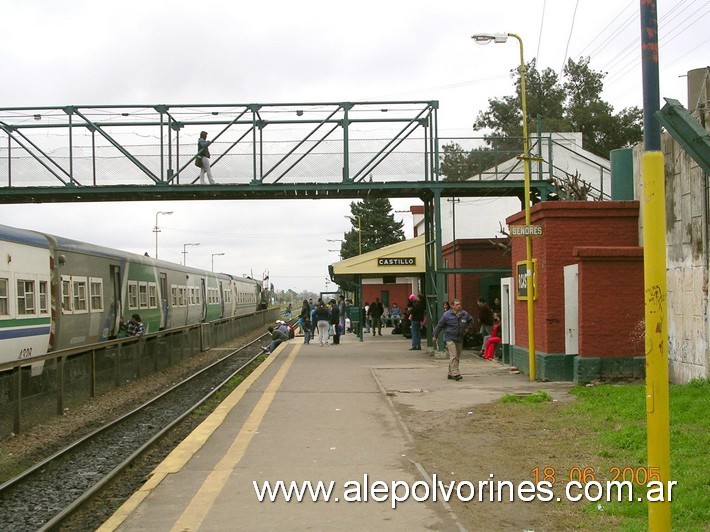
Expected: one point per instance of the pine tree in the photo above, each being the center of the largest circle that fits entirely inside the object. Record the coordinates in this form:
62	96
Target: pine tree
379	228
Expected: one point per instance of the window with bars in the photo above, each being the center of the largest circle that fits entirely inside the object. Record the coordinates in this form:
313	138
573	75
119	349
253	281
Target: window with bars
143	295
132	295
96	293
25	297
4	295
43	297
66	295
80	303
152	295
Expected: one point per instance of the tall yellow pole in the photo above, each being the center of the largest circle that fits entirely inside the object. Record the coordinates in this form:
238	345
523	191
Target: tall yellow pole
654	270
528	239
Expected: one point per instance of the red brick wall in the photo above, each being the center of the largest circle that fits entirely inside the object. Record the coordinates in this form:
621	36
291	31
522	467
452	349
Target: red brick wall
566	225
398	293
611	302
473	253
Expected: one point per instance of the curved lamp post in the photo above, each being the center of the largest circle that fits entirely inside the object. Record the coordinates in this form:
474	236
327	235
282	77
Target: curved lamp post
156	229
184	252
486	38
213	256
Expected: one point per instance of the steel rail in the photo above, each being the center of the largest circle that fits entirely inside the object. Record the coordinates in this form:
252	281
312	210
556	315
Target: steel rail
65	513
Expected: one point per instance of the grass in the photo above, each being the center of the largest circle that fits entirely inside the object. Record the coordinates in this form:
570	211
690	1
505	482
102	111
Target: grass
539	396
615	418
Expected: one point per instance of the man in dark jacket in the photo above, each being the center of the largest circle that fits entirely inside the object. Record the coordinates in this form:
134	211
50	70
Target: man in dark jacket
454	322
418	309
277	336
335	321
376	310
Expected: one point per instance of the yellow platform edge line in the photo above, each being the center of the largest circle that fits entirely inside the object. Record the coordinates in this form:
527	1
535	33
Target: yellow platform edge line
200	505
179	456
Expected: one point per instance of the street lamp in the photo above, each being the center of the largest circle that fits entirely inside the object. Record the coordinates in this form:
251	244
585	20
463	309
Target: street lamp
486	38
156	229
184	252
213	256
359	231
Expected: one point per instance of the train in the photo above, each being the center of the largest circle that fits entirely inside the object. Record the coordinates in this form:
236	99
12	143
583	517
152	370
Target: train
57	293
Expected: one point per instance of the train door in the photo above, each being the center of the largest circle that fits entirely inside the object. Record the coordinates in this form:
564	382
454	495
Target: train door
203	307
117	307
163	300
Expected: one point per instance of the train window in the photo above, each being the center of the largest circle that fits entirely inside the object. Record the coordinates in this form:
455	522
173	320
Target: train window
66	294
43	297
143	294
182	299
25	296
80	302
132	295
4	308
152	295
174	295
96	292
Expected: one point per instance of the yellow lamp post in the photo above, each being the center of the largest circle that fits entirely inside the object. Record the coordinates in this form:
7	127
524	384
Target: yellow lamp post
485	38
359	231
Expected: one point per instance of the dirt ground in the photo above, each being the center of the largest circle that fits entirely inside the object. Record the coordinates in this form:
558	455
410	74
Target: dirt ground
472	441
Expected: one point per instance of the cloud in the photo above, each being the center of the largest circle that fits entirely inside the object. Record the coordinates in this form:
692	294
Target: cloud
215	51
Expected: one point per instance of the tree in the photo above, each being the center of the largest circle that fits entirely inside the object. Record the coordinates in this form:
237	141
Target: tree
458	165
575	105
379	228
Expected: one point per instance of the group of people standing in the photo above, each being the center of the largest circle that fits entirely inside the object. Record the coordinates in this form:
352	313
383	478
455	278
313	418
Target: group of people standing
328	320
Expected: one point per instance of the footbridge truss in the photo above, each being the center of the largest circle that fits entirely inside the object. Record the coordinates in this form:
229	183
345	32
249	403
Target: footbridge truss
90	153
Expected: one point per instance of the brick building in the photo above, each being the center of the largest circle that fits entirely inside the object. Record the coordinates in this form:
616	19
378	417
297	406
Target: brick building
589	281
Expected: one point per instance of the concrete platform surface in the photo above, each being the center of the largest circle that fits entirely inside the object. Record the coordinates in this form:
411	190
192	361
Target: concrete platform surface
317	413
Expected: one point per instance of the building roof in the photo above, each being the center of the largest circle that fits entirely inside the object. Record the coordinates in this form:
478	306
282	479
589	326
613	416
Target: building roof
403	258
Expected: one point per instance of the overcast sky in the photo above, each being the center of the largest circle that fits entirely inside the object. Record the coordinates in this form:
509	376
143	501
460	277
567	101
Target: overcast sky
173	52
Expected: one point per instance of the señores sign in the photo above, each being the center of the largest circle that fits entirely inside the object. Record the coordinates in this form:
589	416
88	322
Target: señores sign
525	230
403	261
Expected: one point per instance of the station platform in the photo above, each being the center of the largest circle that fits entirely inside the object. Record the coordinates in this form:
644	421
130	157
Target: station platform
315	413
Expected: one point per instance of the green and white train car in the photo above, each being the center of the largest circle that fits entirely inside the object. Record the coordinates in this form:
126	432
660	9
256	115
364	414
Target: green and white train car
57	293
25	321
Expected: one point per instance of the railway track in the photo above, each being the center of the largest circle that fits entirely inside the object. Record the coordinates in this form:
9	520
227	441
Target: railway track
49	493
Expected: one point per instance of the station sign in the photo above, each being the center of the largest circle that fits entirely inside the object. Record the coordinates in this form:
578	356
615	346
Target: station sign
403	261
525	230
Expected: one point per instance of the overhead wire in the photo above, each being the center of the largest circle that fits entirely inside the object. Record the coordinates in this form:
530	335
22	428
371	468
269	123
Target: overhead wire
614	31
539	36
569	38
631	49
633	61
